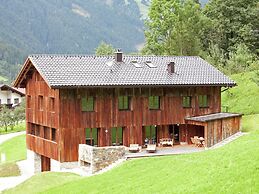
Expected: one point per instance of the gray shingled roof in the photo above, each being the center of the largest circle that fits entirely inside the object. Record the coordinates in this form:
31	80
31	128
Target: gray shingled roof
211	117
93	71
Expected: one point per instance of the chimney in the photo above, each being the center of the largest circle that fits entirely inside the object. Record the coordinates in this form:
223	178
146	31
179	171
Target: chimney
170	67
118	55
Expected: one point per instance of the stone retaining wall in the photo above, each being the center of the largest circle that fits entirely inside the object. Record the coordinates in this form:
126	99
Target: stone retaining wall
97	158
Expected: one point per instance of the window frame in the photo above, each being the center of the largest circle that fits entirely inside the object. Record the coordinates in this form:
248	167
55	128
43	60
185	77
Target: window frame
40	102
16	100
91	136
117	136
85	108
51	104
202	99
187	99
127	107
151	105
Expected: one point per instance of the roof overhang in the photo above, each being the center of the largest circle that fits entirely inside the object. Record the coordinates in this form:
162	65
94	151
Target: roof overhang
212	117
6	87
26	72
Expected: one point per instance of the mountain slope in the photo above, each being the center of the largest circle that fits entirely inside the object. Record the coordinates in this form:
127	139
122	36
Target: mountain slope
64	27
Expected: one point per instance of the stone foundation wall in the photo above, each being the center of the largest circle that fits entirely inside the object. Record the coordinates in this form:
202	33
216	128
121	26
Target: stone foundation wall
34	160
97	158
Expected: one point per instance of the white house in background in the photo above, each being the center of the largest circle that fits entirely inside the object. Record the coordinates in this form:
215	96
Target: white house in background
10	96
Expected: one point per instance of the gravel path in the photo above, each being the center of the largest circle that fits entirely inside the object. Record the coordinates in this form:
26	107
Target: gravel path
5	137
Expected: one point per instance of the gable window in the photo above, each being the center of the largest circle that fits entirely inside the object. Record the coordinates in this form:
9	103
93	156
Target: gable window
154	102
40	102
87	103
16	101
91	135
53	134
124	102
203	101
117	136
52	104
187	101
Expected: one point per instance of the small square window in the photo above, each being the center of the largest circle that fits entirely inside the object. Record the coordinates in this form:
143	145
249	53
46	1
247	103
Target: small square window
154	102
124	102
203	101
187	101
88	103
16	101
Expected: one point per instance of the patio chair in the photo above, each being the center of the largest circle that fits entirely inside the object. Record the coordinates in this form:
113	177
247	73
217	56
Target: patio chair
151	148
134	148
192	140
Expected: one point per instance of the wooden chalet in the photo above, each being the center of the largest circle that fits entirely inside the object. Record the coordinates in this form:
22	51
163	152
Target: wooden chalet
120	100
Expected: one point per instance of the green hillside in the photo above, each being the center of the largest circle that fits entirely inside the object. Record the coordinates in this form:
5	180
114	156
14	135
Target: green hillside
225	170
244	98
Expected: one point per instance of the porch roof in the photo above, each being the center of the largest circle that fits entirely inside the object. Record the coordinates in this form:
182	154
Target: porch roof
211	117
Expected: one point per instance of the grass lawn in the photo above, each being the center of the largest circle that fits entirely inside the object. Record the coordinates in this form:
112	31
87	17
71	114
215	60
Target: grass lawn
250	123
233	168
20	127
14	149
9	169
245	97
44	181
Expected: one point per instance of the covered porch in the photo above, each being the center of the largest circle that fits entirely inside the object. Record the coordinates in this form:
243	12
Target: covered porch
217	126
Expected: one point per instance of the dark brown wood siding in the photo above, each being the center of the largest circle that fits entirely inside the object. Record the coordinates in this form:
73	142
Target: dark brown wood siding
41	113
218	130
106	114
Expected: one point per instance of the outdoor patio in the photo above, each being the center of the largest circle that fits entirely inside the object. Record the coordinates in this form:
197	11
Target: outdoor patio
163	151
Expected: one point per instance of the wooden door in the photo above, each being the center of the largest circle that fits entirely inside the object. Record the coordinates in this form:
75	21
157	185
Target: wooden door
45	164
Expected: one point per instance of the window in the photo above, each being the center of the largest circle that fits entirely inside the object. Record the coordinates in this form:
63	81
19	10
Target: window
16	101
0	101
187	101
203	101
8	101
52	104
150	134
31	128
37	130
117	136
40	102
88	103
154	102
29	101
46	132
53	134
91	135
124	102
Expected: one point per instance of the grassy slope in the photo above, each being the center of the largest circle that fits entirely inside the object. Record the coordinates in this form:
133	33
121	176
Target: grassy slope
245	97
14	149
9	169
230	169
41	182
